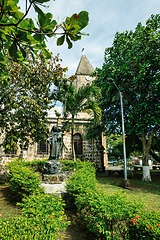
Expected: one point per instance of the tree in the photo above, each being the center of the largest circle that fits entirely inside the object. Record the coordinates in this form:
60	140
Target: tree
114	146
25	88
19	33
25	100
77	100
133	64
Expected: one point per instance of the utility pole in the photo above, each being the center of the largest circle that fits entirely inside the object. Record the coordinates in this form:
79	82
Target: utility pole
125	183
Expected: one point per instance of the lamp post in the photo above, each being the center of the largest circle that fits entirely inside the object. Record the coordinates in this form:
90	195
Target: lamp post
123	136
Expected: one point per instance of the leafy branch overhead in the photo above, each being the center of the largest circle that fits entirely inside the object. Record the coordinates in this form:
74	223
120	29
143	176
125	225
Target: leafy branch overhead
72	27
19	33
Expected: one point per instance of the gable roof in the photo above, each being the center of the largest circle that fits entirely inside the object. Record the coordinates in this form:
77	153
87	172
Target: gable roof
84	67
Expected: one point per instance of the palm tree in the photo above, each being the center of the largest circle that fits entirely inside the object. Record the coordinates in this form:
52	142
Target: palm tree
78	100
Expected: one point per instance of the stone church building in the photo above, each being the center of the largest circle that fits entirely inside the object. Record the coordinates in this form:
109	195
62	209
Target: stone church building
93	150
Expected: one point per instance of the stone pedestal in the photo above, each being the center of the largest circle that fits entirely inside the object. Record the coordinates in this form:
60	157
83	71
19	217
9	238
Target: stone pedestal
56	183
53	178
52	167
56	178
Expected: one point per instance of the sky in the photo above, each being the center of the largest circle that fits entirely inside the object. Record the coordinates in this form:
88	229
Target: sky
106	17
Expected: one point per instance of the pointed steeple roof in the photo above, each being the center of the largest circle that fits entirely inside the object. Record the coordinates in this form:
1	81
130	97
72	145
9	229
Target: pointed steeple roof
84	67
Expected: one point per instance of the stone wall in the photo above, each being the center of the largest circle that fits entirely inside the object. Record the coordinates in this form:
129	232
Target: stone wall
93	150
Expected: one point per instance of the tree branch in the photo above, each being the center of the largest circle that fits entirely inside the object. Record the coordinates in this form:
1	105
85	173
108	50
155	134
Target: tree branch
2	12
154	155
20	20
42	33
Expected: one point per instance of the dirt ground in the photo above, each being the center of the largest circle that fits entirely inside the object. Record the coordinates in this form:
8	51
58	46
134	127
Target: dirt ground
76	231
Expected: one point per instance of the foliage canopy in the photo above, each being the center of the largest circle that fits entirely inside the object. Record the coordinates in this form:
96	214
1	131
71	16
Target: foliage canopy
132	62
25	101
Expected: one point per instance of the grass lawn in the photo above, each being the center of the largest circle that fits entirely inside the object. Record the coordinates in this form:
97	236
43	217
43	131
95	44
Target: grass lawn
149	192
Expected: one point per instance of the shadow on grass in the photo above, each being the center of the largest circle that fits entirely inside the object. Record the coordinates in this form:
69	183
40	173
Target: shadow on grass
8	206
136	182
7	194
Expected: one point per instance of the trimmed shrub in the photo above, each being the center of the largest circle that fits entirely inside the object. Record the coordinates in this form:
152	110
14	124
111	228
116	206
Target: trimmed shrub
22	180
43	218
20	228
82	180
68	165
145	226
36	164
106	215
40	205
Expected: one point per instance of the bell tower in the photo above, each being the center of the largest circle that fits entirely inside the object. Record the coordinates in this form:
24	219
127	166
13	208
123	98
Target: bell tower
83	71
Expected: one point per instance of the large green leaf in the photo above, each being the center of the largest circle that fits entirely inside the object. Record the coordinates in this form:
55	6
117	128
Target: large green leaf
46	23
22	51
83	19
39	38
75	24
69	42
18	15
60	40
38	10
27	24
13	50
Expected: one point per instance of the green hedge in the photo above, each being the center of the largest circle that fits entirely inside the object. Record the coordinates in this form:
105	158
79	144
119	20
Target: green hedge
40	205
110	216
28	228
43	218
67	165
22	180
36	164
145	226
43	215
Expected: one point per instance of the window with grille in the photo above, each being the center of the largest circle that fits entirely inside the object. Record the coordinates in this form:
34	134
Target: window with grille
42	147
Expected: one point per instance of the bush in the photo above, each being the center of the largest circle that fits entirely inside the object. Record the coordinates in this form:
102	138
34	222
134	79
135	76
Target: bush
145	226
82	180
29	228
36	164
40	205
43	218
22	180
106	215
68	165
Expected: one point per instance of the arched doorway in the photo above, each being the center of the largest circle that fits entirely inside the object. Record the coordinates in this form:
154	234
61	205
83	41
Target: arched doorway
77	140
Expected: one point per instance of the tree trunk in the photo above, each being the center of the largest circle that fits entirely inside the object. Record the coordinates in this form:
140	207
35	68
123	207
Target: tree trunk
74	154
146	147
72	130
21	152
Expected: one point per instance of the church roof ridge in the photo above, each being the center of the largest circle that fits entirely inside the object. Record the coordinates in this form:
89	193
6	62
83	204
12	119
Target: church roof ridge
84	67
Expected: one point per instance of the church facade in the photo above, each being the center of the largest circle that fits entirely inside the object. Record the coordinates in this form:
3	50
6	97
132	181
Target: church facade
93	150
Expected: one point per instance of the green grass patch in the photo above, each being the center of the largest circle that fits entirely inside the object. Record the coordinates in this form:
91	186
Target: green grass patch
149	192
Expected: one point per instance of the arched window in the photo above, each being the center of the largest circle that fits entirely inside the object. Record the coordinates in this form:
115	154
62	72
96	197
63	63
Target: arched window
42	147
77	140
